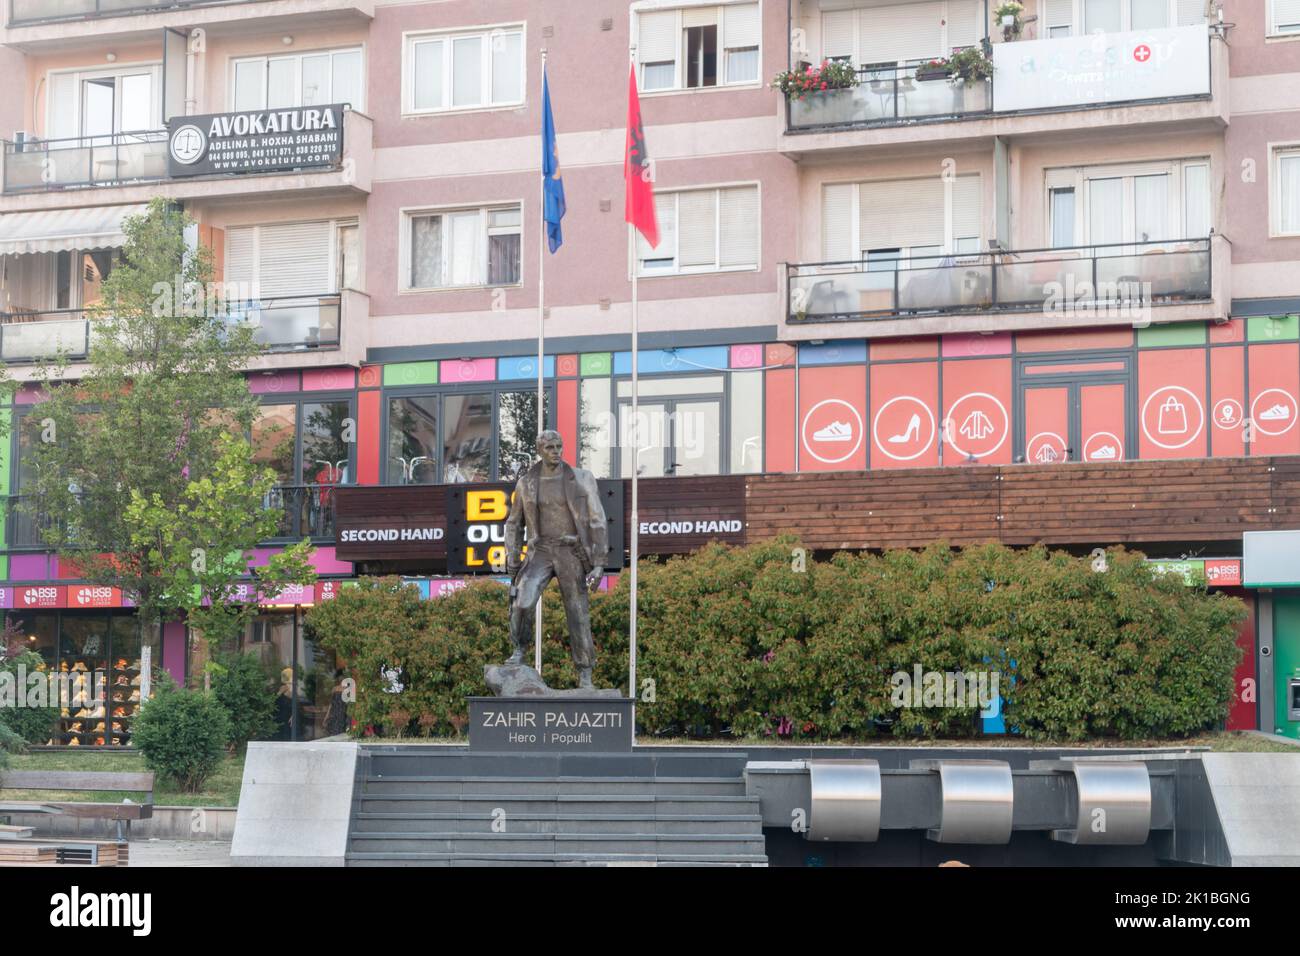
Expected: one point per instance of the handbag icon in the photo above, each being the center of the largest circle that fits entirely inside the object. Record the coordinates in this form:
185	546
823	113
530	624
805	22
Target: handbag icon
1173	417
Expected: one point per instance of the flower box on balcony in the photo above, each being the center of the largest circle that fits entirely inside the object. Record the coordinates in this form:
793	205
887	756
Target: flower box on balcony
931	71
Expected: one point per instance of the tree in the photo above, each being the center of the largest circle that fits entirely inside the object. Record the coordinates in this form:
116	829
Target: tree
150	421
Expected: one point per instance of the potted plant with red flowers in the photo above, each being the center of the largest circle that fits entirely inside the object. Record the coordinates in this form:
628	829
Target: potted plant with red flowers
933	70
819	94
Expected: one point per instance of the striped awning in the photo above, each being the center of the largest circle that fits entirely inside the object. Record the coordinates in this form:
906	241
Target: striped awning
59	230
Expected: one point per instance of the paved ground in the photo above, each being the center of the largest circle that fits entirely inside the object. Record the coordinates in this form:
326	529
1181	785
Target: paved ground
179	853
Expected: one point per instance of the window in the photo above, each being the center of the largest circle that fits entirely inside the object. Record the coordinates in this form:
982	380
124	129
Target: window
704	230
464	248
680	426
1150	202
102	103
286	259
464	70
1287	191
698	47
1062	18
890	36
1284	16
472	446
884	223
303	79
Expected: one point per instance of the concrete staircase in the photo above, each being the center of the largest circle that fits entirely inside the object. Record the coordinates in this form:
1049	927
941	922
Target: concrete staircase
440	806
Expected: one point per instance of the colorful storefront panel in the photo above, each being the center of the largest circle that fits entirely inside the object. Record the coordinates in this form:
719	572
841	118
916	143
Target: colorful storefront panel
832	418
1171	403
977	411
904	415
1274	384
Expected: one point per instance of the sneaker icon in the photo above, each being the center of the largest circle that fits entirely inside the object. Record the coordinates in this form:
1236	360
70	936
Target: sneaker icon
1277	413
1105	453
835	431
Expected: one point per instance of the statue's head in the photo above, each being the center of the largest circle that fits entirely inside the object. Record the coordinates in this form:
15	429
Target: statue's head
550	446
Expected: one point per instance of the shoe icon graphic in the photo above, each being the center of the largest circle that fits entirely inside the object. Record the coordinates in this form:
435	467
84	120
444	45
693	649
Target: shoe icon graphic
1276	413
1105	453
909	434
835	431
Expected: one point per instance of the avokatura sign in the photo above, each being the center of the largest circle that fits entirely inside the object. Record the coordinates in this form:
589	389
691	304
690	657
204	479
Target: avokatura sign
462	527
255	142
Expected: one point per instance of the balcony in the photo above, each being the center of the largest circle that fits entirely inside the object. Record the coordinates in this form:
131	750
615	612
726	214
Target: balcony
43	165
1086	282
46	26
290	325
132	168
1175	79
885	97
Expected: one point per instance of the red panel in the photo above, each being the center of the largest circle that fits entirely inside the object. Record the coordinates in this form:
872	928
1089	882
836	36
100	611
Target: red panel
779	415
1171	403
1227	401
778	353
832	418
977	412
1274	385
904	415
1243	714
566	417
370	376
566	366
1234	330
1047	425
368	438
1074	340
892	350
1101	423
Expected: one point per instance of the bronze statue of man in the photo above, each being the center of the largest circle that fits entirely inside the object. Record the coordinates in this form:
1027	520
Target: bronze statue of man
567	540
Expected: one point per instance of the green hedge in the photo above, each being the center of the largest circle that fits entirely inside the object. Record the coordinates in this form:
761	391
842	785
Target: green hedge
751	641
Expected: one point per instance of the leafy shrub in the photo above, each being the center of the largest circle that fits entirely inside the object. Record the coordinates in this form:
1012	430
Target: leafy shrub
241	685
748	641
182	734
21	725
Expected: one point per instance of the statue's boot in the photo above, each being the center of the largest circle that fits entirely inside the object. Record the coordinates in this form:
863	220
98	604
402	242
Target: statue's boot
516	658
584	678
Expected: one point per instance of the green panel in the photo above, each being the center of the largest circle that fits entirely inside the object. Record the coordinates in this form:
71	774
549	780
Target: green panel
1191	571
1180	333
4	567
6	422
596	363
411	373
1273	328
1286	661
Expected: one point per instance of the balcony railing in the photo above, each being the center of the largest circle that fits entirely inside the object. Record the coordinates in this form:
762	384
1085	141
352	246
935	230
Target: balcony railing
36	165
1090	278
305	511
288	324
23	12
888	96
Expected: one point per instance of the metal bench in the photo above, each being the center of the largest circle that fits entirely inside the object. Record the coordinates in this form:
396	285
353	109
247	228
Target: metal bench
79	781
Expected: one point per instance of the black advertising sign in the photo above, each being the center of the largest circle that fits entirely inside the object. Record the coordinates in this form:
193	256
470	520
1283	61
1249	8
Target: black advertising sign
476	525
257	141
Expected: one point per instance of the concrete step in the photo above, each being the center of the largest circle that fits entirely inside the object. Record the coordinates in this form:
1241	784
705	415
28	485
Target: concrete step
425	785
454	761
648	844
485	804
551	859
556	823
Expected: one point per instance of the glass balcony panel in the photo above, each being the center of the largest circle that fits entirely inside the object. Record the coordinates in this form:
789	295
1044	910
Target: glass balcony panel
884	96
37	11
289	324
45	338
88	161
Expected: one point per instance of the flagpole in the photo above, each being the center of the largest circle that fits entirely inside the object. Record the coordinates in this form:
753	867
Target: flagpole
541	361
636	467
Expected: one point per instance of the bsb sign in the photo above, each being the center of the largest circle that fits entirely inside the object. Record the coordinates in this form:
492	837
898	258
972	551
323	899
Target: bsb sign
1101	68
255	142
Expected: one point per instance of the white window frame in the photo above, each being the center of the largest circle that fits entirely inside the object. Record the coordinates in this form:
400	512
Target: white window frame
297	80
1079	177
412	38
1126	16
333	256
1274	29
1276	153
407	217
679	75
154	68
676	269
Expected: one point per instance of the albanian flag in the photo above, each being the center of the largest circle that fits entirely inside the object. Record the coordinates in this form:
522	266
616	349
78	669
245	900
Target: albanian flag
640	206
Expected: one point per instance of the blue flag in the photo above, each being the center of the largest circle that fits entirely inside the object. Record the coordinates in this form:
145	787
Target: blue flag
552	184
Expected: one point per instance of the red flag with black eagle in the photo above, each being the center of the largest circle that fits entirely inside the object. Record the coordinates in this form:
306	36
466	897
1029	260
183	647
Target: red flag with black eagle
640	207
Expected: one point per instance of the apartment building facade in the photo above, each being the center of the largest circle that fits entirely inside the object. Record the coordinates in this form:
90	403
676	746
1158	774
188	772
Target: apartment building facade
1054	301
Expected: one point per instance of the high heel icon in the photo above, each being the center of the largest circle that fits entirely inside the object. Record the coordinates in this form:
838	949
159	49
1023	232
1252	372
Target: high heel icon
912	431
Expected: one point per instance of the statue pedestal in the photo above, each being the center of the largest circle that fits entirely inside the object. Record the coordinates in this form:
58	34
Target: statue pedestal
562	722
